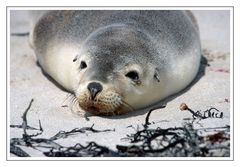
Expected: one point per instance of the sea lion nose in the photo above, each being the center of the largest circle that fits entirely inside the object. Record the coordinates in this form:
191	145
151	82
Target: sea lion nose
94	88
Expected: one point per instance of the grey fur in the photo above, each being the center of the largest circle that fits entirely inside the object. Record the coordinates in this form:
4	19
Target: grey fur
164	43
145	34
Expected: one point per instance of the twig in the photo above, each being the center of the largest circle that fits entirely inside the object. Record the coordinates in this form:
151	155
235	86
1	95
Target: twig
20	34
184	106
24	118
206	114
20	126
149	113
65	134
18	151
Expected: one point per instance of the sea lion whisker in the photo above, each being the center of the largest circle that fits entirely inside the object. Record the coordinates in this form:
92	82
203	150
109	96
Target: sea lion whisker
70	97
66	98
73	102
125	104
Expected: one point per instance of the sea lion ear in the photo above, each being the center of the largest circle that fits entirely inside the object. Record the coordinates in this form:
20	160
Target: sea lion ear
156	74
75	59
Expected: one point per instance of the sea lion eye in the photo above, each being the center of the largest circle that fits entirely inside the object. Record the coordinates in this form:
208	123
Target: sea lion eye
133	75
83	65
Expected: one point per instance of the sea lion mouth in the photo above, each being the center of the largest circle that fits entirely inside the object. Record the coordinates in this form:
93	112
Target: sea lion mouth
99	110
105	104
100	106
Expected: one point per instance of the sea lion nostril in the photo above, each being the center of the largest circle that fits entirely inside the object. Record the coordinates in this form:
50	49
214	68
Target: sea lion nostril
94	88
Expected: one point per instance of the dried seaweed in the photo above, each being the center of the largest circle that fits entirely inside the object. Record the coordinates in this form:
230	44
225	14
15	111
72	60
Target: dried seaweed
209	113
64	134
149	113
184	141
92	149
20	127
18	151
20	34
30	141
178	141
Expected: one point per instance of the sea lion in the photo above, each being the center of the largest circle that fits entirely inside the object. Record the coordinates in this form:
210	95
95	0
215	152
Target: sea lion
117	61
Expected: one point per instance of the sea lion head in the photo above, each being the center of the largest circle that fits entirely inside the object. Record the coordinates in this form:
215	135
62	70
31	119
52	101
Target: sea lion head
116	70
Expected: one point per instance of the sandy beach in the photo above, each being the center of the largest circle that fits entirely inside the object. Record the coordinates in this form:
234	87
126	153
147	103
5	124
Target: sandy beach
52	106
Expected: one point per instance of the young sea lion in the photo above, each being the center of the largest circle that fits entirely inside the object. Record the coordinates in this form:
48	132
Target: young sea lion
116	61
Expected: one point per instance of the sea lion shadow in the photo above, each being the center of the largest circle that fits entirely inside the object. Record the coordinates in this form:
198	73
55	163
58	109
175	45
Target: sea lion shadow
201	73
